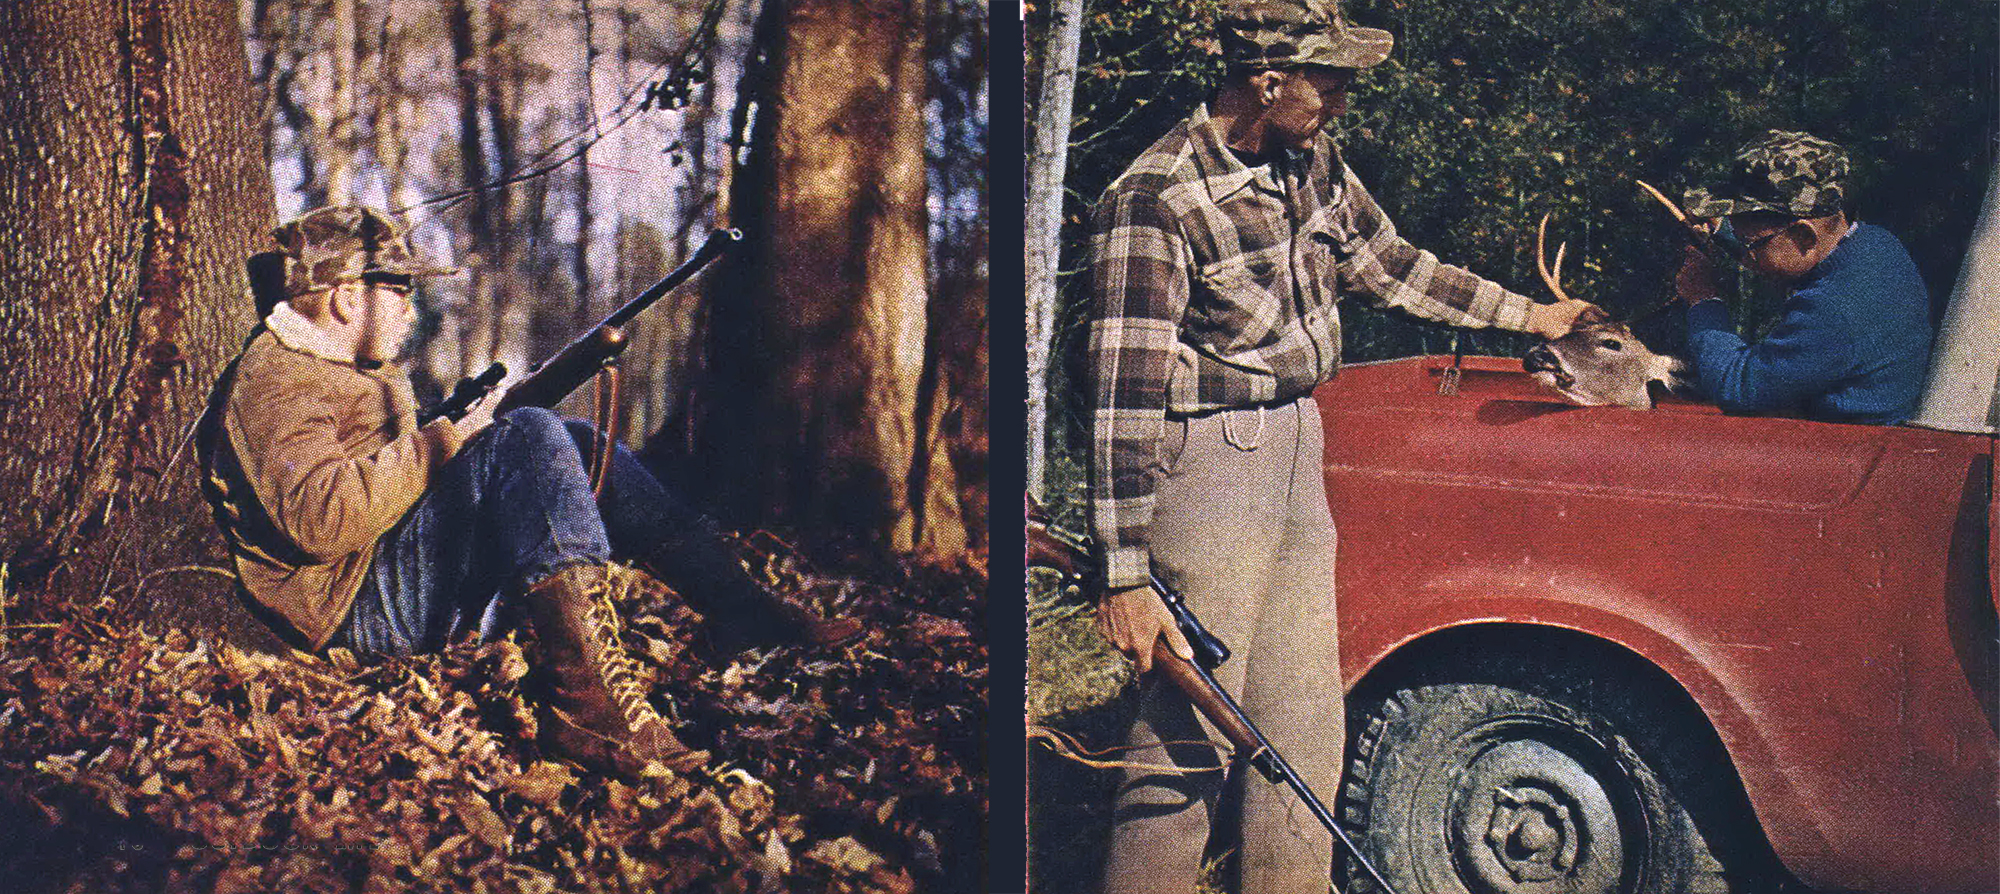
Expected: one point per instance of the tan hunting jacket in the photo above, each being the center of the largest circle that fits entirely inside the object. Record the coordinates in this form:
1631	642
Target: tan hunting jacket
309	460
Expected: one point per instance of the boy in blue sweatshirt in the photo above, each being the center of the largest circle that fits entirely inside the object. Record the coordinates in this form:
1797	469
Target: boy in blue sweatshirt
1854	339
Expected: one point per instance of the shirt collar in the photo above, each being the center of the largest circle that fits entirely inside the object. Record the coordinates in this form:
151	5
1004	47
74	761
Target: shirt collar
1833	259
1223	172
294	331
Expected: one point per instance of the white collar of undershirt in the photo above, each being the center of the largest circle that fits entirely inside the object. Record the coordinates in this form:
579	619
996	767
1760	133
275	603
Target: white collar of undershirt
294	331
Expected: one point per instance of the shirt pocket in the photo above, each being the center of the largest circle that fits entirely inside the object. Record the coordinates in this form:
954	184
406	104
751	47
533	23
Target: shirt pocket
1324	246
1241	302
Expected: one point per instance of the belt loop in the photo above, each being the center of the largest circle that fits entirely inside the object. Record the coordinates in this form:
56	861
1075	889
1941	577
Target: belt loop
1229	434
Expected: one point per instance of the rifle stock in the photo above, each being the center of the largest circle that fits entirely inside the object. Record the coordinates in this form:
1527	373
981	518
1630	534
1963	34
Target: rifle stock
1045	551
1210	701
1193	679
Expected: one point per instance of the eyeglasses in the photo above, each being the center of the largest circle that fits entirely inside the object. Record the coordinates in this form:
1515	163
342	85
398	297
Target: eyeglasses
403	290
1753	246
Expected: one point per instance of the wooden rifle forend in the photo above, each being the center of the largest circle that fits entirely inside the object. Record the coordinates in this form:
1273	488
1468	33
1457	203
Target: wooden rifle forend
553	379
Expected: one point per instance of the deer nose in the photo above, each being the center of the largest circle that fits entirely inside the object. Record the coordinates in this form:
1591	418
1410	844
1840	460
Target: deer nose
1539	359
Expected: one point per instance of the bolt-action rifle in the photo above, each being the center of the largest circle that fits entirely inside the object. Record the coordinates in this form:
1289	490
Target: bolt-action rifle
1194	678
551	380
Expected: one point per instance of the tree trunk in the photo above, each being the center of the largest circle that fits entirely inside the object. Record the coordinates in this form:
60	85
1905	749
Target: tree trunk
821	395
133	184
475	323
340	121
586	112
1048	156
392	116
503	89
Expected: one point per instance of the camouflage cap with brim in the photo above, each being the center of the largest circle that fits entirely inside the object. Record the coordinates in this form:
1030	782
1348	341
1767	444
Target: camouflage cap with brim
1785	172
1274	34
343	243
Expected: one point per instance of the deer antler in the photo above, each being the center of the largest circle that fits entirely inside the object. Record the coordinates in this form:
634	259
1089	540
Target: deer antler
1552	279
1661	197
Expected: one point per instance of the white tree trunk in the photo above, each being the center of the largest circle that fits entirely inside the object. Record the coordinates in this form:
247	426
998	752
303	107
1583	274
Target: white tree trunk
1048	158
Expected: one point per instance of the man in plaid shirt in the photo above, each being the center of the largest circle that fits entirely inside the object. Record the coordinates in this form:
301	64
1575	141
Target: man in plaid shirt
1216	263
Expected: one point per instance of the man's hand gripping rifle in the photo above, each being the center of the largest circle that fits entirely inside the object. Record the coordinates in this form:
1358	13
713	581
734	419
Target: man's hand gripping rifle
1194	678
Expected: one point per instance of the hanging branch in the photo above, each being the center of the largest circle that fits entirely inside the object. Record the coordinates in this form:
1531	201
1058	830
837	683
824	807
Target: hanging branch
701	42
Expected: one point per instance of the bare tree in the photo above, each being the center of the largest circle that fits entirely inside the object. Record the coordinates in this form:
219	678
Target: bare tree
475	319
822	395
586	114
339	125
1048	157
391	113
133	183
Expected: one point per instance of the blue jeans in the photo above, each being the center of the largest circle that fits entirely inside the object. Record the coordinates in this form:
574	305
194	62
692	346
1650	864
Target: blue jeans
511	508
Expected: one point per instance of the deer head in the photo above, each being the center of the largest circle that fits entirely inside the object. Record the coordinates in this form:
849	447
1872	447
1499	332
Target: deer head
1599	362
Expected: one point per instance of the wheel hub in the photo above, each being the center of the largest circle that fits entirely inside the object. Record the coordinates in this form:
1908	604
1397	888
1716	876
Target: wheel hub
1532	834
1527	818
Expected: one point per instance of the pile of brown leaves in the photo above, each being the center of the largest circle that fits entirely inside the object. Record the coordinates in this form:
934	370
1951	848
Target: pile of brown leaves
134	762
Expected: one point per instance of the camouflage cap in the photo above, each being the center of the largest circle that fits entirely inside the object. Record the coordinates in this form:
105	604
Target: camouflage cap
1269	34
1786	172
342	243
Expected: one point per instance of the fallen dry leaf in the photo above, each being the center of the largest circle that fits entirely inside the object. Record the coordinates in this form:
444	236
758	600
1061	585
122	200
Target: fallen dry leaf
160	762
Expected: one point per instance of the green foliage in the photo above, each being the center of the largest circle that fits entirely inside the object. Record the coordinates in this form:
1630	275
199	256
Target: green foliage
1488	115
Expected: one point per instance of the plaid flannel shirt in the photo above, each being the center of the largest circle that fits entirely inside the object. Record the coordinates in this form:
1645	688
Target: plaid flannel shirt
1214	287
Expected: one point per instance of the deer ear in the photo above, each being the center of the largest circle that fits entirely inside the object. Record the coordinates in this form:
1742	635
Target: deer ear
1591	316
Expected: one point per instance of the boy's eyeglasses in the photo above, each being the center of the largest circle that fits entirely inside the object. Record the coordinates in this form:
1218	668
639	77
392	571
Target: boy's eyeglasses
398	284
1747	248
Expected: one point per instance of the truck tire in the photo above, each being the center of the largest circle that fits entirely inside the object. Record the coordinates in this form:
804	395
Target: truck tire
1485	789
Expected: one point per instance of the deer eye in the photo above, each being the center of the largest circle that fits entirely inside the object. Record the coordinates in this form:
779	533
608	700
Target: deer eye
1611	344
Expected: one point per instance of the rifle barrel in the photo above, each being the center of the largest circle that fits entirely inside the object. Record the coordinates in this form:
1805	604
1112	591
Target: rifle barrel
718	242
551	380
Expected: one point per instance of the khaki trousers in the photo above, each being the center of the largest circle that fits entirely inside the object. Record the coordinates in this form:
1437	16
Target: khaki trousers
1242	529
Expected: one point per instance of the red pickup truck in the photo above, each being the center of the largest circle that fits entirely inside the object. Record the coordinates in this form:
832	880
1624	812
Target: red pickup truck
1611	650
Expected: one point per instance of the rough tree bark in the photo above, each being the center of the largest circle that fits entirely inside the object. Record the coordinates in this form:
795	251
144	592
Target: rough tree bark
821	401
133	183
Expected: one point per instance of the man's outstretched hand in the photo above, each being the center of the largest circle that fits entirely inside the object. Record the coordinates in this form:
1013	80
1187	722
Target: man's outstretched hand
1133	619
1553	321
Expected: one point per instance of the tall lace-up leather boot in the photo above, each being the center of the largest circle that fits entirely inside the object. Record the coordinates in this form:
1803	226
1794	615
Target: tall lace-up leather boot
598	712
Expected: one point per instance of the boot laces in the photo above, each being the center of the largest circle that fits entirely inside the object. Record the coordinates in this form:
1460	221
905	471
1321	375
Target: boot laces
621	673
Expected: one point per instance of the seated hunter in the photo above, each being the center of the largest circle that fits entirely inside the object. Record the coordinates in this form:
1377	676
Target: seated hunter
351	525
1853	339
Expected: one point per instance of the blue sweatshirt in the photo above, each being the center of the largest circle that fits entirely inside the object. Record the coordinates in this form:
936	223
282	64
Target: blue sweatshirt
1852	346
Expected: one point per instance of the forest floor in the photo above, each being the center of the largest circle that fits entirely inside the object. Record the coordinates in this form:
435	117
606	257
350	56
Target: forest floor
140	758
